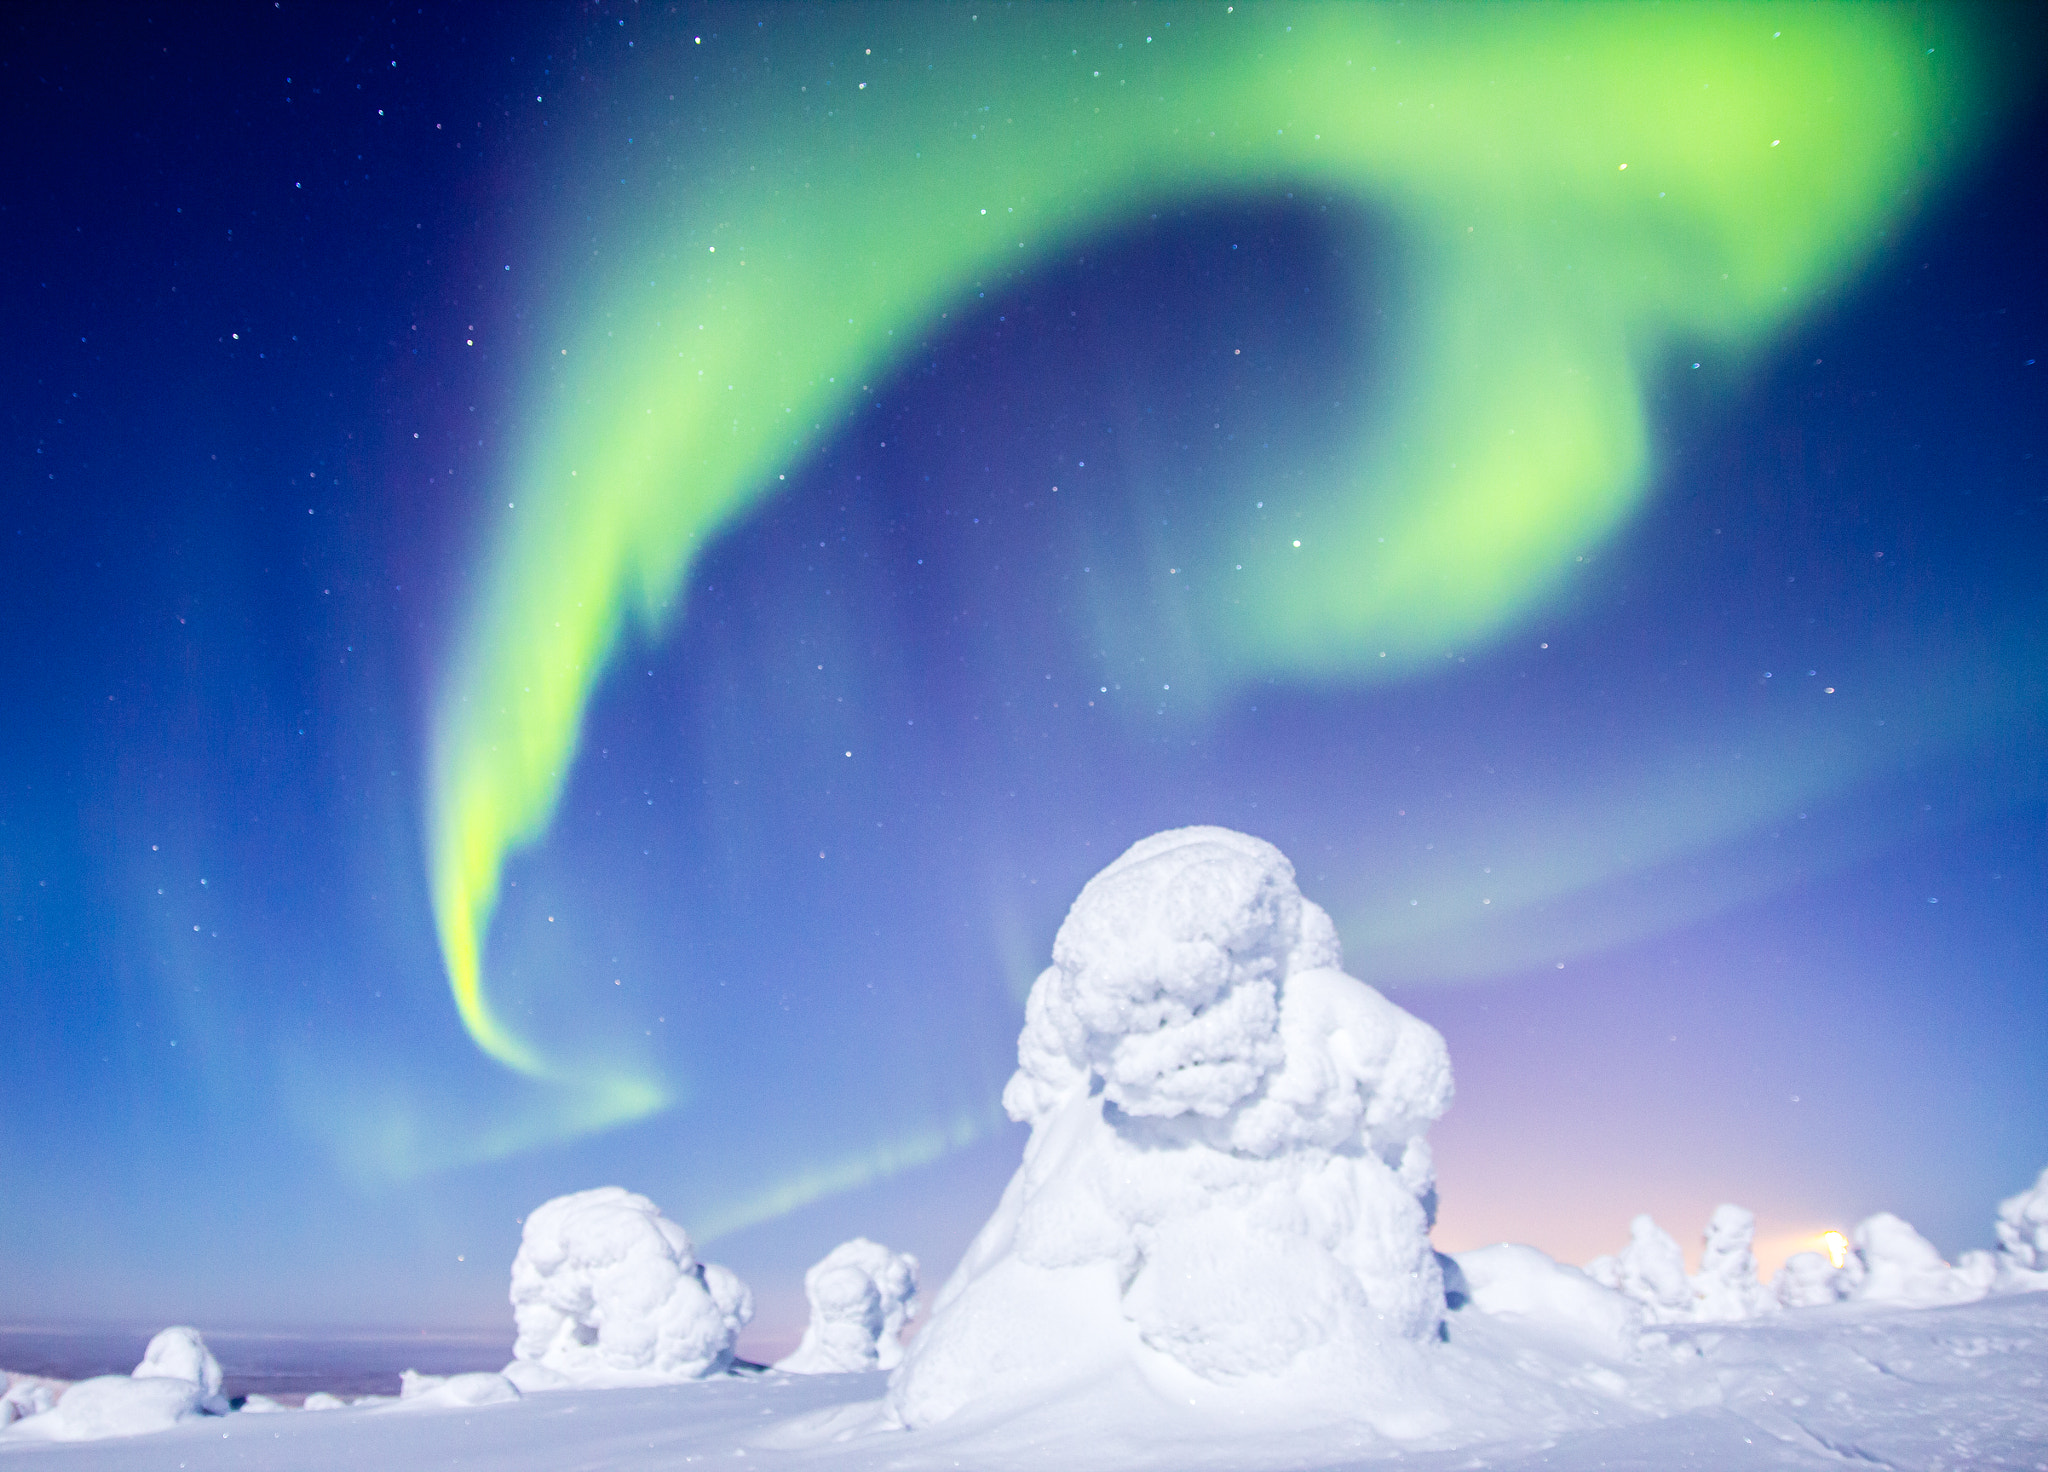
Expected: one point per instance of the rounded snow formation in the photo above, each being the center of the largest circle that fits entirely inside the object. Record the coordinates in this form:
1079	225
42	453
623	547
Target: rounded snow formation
475	1388
862	1295
607	1291
1892	1263
179	1353
1889	1262
1727	1288
1511	1281
1227	1178
115	1405
2023	1230
1651	1271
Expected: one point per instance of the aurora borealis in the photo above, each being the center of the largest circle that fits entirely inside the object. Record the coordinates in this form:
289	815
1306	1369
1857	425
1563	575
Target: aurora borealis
1542	278
506	697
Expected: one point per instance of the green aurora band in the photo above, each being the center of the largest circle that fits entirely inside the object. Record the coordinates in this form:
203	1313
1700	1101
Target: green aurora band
1574	194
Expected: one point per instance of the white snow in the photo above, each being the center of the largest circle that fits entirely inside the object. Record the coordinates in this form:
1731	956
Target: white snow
177	1380
1226	1178
1726	1287
1807	1280
114	1405
179	1353
1520	1283
476	1388
2022	1229
1651	1272
1892	1263
861	1296
1956	1387
607	1291
1214	1258
22	1396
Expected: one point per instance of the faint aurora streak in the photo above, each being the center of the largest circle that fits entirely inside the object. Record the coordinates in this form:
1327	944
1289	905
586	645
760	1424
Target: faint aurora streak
1575	192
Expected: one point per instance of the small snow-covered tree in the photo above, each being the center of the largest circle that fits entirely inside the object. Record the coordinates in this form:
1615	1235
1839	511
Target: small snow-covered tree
861	1295
606	1288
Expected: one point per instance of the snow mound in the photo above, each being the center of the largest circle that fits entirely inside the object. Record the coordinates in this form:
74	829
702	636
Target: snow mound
861	1295
477	1388
177	1380
22	1396
1889	1262
1726	1288
179	1353
1651	1271
2023	1237
1807	1280
606	1290
114	1405
321	1400
1892	1263
1523	1283
1227	1178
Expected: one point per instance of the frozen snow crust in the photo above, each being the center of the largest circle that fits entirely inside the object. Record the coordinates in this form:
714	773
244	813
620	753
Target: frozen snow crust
861	1296
1227	1178
607	1291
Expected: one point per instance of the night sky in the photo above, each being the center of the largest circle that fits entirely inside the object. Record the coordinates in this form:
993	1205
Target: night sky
1712	831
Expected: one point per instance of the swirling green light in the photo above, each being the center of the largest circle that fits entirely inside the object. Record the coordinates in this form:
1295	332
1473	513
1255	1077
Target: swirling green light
1575	190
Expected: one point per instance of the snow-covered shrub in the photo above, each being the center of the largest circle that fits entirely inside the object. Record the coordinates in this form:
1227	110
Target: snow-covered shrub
1726	1288
861	1296
606	1289
179	1353
2023	1237
1650	1271
1807	1280
1227	1172
1892	1263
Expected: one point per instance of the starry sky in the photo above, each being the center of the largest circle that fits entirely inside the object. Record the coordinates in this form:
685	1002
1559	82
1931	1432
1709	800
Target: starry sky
470	737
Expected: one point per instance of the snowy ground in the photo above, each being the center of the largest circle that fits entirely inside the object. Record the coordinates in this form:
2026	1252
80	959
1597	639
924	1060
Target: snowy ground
1861	1385
1214	1257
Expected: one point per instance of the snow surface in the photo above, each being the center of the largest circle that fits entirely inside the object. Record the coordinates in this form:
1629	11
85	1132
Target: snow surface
607	1291
1957	1387
861	1296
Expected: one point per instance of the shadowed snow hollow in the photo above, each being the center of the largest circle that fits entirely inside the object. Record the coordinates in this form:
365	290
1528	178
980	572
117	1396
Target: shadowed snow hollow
606	1290
1226	1177
862	1295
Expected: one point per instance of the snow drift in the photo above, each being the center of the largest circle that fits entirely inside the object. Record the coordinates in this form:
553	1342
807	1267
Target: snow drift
178	1379
607	1291
861	1296
1227	1176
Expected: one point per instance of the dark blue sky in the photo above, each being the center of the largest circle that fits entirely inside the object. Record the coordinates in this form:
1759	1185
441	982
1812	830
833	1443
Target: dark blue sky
1755	941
